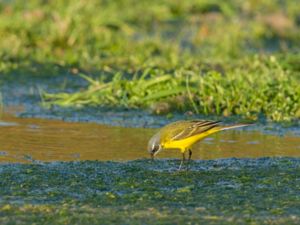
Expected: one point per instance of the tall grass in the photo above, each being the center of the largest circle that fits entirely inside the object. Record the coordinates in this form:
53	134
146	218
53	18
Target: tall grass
264	88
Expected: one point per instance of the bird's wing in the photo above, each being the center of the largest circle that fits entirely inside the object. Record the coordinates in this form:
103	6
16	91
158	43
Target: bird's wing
184	129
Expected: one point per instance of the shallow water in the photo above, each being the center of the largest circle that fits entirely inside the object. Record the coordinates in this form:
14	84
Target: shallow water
31	139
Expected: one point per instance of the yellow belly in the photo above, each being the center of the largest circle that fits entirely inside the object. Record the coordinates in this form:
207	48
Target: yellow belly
186	143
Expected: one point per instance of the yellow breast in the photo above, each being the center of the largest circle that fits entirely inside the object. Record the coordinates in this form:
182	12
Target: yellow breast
185	144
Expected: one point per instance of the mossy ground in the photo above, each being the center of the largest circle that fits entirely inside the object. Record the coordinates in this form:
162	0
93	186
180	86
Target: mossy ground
229	191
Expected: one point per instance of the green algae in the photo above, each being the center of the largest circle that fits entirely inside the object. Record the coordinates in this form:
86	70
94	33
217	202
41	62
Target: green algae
244	191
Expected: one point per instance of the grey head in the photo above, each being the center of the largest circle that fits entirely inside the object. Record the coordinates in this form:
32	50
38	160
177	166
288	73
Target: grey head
154	145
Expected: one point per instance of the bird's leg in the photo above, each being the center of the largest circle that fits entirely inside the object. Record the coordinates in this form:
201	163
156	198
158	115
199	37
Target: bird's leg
190	154
182	161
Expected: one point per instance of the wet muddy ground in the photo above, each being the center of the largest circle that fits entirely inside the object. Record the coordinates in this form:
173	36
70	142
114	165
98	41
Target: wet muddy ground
228	191
71	167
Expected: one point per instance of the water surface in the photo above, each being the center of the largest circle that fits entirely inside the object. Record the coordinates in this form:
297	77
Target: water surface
29	139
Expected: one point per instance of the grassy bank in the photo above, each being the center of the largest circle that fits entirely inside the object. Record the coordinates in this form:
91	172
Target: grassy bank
209	57
264	88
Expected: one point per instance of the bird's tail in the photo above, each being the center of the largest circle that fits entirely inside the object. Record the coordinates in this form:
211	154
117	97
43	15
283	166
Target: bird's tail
235	126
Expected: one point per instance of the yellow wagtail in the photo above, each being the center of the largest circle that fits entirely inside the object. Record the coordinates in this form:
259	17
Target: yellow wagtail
183	134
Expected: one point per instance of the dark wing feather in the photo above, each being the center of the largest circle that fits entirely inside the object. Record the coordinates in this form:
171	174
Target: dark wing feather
184	129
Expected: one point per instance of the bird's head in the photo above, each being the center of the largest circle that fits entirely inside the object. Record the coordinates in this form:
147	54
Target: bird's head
154	145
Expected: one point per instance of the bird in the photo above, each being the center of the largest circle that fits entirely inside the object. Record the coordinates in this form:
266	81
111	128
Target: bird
183	134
